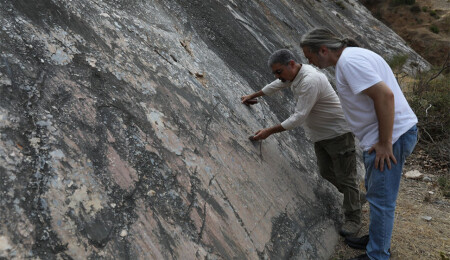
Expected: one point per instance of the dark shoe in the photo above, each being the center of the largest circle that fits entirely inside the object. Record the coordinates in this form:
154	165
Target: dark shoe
360	257
349	228
357	242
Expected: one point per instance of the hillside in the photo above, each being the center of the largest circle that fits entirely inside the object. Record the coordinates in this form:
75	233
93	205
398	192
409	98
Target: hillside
423	24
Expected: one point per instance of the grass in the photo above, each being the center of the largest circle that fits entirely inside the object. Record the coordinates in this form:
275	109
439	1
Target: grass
434	29
428	94
444	184
429	97
397	62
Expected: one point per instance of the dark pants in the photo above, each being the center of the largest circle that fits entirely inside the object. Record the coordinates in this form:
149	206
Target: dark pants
336	158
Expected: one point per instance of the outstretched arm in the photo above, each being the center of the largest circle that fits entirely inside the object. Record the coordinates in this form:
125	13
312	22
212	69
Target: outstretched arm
269	89
247	99
383	100
266	132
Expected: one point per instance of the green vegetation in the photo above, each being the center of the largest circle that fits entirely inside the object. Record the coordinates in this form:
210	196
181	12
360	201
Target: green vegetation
396	63
433	13
444	184
434	29
424	9
429	97
430	100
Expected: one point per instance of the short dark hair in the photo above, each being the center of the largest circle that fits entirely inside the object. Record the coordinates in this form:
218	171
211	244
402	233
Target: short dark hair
283	56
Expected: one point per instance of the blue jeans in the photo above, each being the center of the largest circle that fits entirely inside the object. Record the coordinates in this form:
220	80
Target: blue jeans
382	190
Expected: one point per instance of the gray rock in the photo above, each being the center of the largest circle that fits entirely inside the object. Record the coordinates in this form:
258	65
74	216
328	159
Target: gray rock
128	114
427	218
414	174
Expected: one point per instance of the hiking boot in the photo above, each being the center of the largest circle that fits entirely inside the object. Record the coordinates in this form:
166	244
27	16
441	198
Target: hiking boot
361	257
364	256
357	242
349	228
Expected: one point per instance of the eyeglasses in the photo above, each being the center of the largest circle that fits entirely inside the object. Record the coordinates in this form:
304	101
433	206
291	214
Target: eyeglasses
278	72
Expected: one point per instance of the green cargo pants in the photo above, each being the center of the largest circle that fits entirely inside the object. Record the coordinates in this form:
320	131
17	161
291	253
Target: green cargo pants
336	158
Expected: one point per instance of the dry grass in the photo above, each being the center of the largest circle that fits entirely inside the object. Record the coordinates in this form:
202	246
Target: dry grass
413	237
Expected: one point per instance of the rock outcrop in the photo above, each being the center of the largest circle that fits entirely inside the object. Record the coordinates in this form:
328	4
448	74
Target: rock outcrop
123	135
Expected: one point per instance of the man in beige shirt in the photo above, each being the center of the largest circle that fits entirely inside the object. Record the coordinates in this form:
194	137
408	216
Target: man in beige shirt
319	111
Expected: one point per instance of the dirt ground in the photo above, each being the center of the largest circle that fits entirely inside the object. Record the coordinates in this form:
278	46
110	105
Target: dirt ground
414	237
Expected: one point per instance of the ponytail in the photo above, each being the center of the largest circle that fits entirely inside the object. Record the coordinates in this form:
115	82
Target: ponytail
349	42
324	37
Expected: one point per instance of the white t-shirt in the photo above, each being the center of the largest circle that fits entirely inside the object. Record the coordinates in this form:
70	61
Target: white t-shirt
317	105
356	70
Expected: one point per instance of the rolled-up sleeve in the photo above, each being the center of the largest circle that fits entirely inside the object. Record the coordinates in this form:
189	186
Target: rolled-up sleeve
306	96
275	86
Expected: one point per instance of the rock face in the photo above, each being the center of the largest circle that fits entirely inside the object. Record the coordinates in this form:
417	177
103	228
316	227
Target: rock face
123	136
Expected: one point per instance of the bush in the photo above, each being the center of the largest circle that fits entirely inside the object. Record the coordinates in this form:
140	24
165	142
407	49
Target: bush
444	184
415	9
430	100
433	13
429	97
396	63
434	29
424	9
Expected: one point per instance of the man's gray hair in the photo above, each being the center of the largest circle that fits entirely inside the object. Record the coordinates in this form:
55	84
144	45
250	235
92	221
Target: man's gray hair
324	37
282	56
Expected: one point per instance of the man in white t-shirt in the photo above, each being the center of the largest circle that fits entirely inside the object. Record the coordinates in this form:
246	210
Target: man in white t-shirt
380	117
318	110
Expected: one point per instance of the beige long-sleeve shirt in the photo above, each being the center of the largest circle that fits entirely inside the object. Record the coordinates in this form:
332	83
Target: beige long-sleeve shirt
317	108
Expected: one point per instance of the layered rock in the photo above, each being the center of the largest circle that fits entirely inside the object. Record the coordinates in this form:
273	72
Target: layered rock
123	135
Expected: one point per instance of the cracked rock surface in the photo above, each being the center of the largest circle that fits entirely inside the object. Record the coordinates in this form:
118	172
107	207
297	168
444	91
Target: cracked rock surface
123	135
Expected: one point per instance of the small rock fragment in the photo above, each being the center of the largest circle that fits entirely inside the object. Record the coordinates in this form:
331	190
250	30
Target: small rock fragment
151	193
427	218
415	175
123	233
4	244
35	142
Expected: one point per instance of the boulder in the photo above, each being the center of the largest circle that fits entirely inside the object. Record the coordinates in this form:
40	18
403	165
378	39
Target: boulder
123	135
